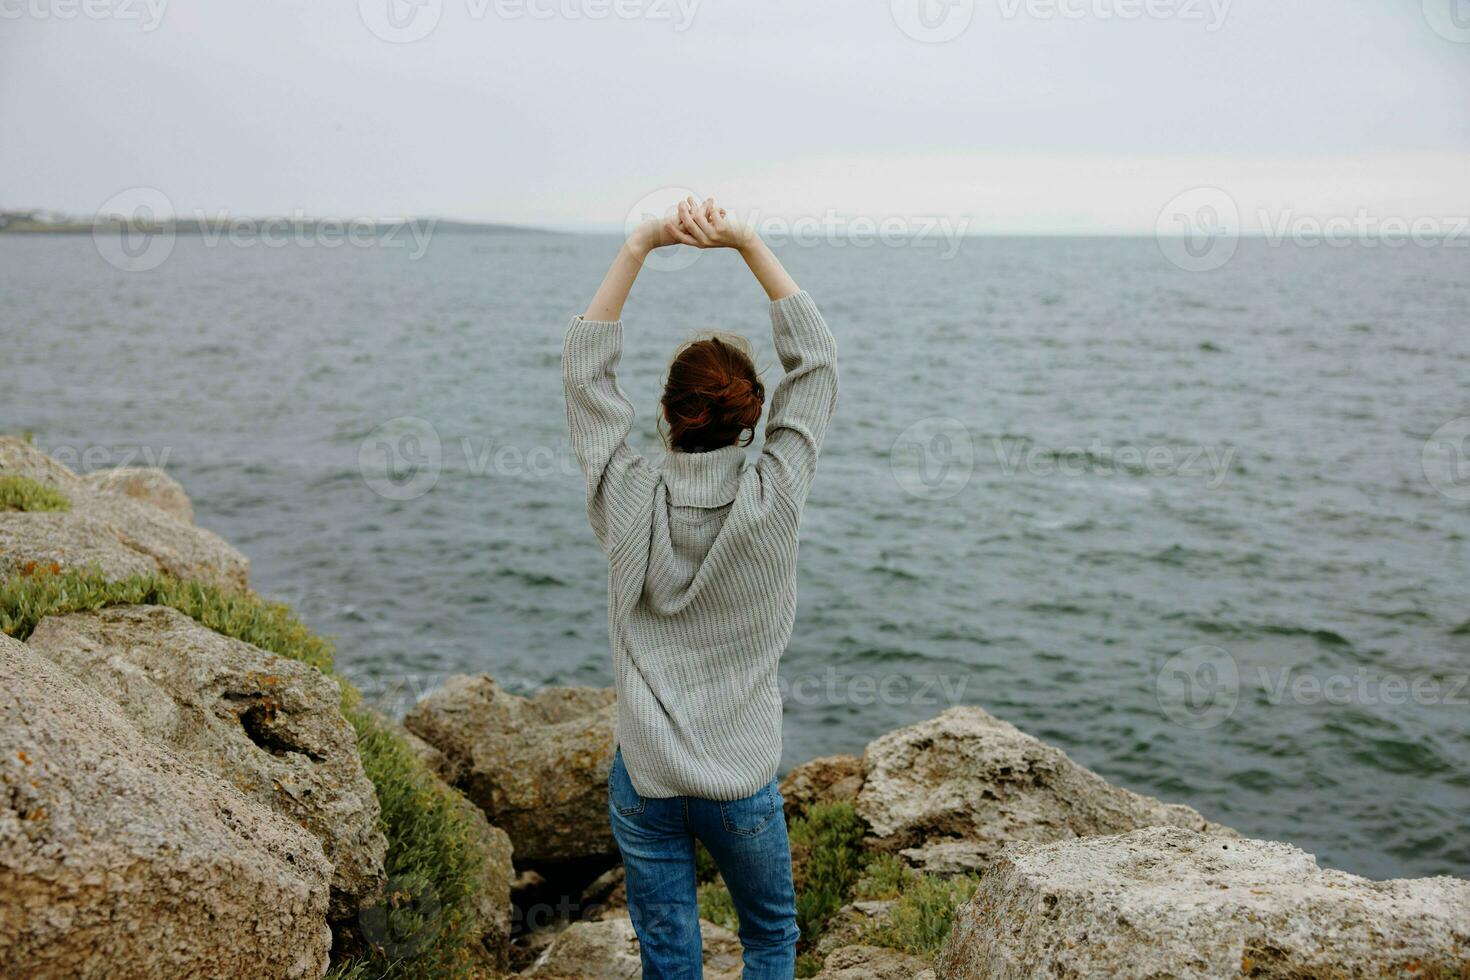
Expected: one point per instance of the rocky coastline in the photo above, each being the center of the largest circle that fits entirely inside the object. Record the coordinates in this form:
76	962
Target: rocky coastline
188	789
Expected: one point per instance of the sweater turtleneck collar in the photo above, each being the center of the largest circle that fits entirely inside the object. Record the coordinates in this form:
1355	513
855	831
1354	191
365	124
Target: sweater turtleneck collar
703	479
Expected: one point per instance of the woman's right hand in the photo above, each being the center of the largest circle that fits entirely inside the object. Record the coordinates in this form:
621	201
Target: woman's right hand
708	225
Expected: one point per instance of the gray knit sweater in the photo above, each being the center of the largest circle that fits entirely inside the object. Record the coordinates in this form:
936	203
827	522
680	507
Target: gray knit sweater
701	563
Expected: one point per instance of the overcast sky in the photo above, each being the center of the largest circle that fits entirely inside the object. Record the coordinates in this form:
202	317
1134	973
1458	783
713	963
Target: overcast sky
1041	116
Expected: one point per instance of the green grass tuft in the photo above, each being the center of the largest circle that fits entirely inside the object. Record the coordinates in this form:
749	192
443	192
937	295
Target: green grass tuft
827	860
23	493
705	869
716	905
923	914
435	863
832	869
25	600
885	877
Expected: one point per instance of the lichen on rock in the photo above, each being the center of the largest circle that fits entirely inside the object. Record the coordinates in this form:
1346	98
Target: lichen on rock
269	726
537	766
108	529
948	793
1170	902
119	861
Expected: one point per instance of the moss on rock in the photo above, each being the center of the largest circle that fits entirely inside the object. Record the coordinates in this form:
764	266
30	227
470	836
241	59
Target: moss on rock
24	494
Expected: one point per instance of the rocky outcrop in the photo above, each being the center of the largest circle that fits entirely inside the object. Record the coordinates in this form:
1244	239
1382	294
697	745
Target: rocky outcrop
536	766
1165	902
852	923
146	483
119	861
432	759
606	896
608	950
57	541
108	529
493	911
949	793
873	963
830	779
269	726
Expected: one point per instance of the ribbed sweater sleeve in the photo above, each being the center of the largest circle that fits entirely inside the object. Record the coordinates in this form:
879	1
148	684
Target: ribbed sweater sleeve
805	397
599	418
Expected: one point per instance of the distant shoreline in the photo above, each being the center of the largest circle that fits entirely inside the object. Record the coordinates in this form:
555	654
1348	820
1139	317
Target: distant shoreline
209	226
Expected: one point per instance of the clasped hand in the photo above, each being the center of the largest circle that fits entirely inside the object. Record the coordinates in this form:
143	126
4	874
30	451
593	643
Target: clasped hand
698	225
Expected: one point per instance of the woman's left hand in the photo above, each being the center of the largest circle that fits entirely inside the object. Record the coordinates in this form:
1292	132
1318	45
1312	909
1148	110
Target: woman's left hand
708	225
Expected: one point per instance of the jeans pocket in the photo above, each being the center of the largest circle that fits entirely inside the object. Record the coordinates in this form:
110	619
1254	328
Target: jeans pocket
621	795
748	817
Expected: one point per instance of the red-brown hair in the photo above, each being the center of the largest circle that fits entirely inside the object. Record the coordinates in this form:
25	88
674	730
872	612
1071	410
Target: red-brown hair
713	396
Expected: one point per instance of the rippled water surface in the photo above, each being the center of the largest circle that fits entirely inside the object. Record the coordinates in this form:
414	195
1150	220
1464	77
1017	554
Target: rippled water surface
1129	462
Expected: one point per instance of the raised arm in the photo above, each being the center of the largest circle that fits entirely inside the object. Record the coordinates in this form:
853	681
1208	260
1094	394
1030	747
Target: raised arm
607	304
807	394
599	416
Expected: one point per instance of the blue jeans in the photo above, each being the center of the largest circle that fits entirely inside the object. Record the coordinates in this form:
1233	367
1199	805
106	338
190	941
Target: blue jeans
747	839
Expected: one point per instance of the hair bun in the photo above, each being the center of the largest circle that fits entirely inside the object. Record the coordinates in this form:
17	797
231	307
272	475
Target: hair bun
739	404
712	397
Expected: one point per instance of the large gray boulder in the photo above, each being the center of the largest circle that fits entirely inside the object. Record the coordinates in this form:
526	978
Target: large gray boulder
146	483
608	950
948	793
119	861
108	528
1166	902
269	726
536	766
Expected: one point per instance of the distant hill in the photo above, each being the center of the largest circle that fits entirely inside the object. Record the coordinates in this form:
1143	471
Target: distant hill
56	223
